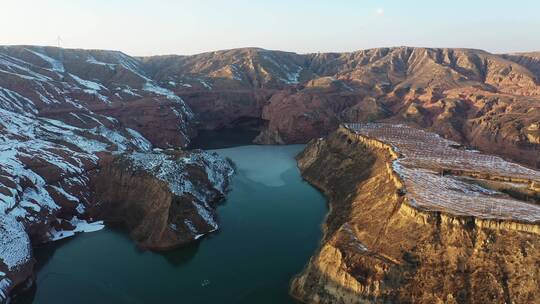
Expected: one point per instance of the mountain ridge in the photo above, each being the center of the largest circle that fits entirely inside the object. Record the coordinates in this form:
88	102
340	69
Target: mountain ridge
297	97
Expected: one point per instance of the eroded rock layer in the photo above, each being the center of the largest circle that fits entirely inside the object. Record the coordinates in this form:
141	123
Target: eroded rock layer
391	236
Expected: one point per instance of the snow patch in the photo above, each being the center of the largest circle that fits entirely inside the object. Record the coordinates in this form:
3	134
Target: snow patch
5	284
80	226
56	65
150	87
93	60
88	84
15	249
206	84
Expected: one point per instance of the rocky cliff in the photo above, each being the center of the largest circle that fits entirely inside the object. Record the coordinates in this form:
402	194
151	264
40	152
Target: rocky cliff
165	199
408	224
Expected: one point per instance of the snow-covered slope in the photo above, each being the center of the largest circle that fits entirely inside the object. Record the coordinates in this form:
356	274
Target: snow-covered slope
63	113
87	88
44	181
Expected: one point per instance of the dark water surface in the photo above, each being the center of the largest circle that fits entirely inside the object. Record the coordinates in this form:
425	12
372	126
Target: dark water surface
269	227
224	138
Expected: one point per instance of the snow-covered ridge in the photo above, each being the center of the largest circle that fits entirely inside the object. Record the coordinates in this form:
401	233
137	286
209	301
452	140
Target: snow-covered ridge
288	73
52	75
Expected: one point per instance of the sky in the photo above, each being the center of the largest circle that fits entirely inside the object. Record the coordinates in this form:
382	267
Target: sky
158	27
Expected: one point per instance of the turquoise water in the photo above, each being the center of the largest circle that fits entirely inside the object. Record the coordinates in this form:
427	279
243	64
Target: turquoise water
269	227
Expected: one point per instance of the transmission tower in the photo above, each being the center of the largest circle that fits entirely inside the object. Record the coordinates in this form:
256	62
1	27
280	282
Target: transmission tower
59	41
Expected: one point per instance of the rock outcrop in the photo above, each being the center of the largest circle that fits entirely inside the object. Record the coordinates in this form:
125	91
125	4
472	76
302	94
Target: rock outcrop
165	199
399	230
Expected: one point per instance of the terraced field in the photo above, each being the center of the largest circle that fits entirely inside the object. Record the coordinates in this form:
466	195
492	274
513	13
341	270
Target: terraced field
441	175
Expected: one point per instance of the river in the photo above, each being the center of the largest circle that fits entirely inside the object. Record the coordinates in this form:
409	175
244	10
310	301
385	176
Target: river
270	225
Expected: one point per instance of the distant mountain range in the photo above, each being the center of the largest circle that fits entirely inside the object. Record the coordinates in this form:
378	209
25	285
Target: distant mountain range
485	100
482	99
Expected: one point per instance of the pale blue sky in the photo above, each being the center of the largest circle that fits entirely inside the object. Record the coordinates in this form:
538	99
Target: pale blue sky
140	27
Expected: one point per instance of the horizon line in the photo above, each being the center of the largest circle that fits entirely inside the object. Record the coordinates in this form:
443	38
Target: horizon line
266	49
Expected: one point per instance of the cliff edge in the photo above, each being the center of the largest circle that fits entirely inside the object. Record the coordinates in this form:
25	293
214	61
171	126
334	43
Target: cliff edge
415	218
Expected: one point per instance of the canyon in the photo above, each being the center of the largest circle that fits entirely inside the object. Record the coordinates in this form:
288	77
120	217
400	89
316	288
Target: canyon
89	136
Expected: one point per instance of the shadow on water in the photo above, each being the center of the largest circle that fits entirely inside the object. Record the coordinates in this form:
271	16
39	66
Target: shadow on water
181	255
223	138
45	253
176	257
